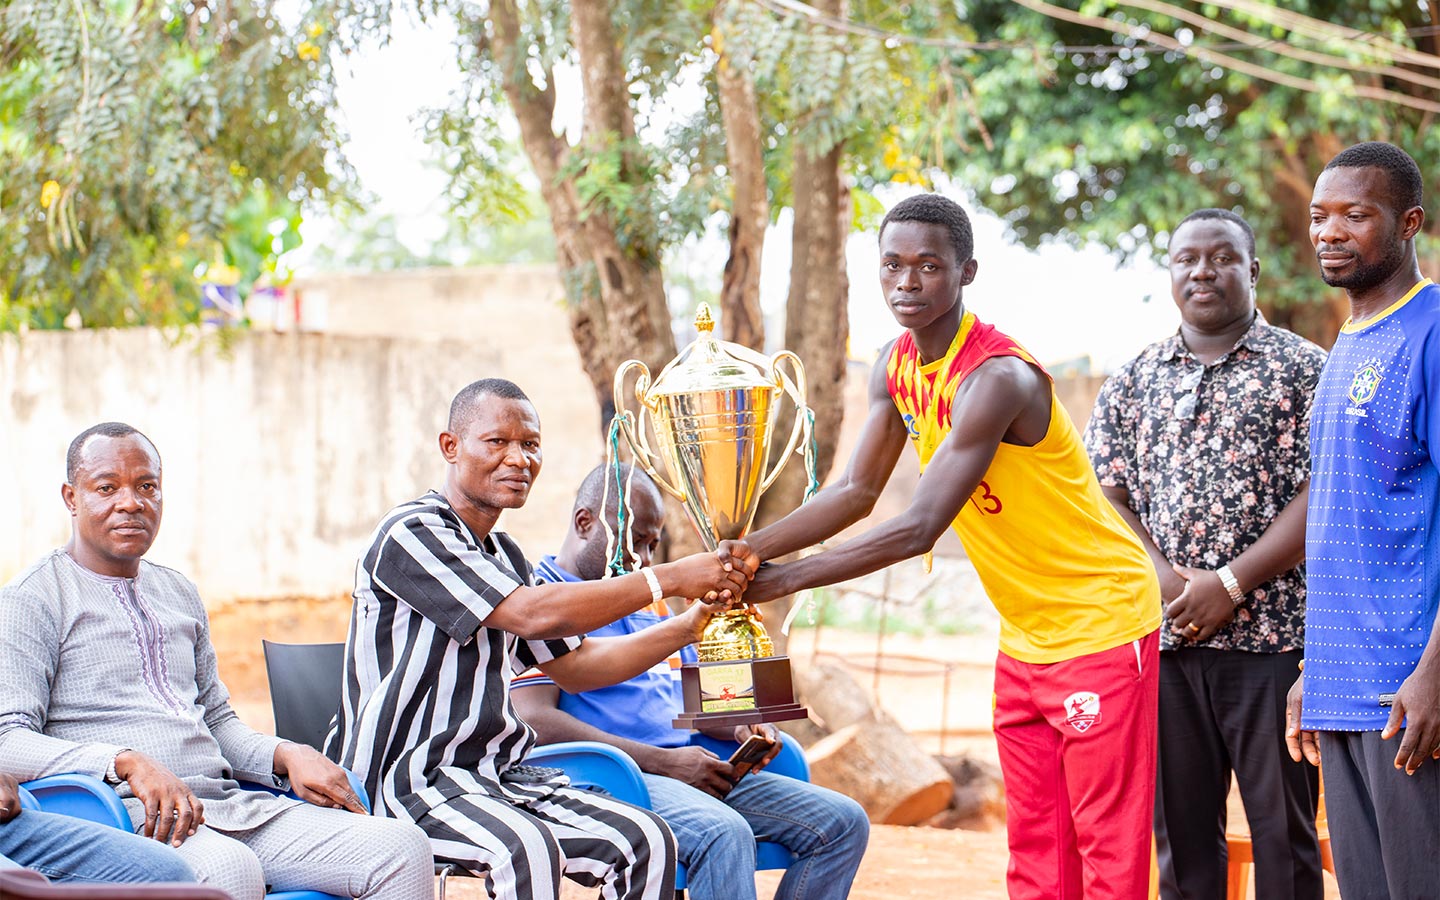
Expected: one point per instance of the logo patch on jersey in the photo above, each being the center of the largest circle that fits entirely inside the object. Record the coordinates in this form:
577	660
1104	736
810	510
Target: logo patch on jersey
1365	384
911	428
1082	710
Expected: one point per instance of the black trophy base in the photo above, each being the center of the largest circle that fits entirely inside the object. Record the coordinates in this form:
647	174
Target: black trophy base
738	692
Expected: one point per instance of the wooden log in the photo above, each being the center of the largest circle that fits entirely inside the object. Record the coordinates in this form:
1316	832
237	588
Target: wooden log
884	769
979	800
835	699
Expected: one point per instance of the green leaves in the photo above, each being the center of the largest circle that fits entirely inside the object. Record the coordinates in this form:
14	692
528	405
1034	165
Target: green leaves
165	126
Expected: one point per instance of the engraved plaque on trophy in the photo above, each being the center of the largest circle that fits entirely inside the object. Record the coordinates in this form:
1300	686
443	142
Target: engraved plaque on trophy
713	413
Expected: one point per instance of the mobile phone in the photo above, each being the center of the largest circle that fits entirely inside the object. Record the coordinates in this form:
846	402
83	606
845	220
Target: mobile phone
750	753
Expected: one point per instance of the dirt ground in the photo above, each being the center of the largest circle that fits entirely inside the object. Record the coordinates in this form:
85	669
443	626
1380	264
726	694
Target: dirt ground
937	686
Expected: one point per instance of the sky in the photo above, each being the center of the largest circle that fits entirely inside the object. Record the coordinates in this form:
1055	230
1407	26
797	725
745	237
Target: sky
1059	302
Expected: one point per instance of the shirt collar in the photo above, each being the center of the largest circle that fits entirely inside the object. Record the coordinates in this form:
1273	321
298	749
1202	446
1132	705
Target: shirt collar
1254	339
549	570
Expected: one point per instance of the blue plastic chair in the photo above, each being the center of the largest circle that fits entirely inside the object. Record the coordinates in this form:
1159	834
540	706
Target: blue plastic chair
600	767
84	797
28	801
594	766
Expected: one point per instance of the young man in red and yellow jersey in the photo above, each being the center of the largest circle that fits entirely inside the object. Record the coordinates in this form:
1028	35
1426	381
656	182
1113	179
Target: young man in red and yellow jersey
1002	463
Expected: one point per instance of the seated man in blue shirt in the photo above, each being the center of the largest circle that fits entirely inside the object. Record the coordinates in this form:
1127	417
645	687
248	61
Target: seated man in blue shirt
714	818
73	850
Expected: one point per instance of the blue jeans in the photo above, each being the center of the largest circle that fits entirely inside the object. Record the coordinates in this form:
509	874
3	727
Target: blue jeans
66	849
826	831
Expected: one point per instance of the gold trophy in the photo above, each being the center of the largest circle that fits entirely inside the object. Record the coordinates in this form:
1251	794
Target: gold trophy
713	410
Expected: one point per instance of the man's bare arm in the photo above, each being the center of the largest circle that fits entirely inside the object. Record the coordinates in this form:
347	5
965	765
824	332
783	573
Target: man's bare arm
988	404
1417	705
1171	584
563	609
9	798
539	705
603	661
1280	548
853	495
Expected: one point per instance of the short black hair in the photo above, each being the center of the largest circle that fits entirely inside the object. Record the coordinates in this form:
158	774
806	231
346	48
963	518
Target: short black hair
592	488
1407	185
463	406
1225	215
936	209
104	429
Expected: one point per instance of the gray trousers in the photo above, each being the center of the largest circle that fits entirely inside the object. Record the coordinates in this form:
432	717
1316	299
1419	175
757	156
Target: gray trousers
1384	824
312	848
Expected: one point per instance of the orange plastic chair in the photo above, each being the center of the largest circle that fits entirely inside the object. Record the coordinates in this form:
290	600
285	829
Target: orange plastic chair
1154	893
1242	855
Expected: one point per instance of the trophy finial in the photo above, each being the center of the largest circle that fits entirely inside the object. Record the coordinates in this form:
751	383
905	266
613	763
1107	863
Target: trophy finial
703	322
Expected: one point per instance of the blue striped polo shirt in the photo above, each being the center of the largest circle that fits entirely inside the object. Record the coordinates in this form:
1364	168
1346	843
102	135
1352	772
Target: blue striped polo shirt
641	708
1372	551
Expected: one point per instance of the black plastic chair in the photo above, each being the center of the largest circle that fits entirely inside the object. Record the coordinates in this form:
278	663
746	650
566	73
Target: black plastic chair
305	694
305	682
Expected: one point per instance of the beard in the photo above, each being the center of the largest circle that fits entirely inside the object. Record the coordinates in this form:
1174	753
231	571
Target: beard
1367	275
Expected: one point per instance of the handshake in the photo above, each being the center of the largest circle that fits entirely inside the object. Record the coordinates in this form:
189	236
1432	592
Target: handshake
719	579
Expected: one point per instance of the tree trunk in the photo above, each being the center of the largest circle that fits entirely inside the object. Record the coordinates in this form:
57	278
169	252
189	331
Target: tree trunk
740	315
1292	187
617	296
817	324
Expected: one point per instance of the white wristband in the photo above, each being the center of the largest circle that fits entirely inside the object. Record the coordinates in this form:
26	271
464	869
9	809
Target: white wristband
1232	587
654	582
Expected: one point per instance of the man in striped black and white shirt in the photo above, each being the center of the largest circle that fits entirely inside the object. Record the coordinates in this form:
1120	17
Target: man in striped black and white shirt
446	613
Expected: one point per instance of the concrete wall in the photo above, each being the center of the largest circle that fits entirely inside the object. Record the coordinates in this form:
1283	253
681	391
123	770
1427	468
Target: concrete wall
282	451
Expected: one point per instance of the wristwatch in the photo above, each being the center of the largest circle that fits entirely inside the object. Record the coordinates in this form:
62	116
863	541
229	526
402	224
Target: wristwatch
111	776
1232	587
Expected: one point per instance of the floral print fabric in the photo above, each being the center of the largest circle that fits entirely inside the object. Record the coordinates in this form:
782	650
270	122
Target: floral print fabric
1210	455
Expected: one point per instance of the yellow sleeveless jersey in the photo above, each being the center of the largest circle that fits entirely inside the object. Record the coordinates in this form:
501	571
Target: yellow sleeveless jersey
1067	574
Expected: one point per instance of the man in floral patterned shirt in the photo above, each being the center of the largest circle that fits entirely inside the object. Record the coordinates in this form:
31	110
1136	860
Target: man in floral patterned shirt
1201	444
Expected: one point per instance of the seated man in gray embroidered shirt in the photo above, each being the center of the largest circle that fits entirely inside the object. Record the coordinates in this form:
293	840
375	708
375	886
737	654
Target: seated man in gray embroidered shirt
106	668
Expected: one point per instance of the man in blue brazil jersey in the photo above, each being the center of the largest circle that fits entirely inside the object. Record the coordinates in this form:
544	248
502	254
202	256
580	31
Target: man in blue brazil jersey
1371	685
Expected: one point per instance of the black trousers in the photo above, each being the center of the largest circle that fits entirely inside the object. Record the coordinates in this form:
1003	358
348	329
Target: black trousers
1384	824
1224	711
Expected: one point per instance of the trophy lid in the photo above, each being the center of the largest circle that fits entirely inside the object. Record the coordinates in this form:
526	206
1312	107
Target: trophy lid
709	364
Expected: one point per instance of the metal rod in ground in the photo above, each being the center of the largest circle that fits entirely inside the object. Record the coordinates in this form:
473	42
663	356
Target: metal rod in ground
945	708
880	635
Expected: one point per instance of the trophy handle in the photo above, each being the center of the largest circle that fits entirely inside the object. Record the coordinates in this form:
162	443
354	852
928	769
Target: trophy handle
639	445
796	390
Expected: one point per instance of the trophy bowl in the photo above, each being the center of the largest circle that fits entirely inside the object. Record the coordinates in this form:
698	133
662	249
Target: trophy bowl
713	411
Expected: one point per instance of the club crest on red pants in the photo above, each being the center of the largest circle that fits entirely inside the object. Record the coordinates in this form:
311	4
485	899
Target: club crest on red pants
1082	709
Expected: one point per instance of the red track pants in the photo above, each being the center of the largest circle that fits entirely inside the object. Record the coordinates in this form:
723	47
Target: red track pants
1077	748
